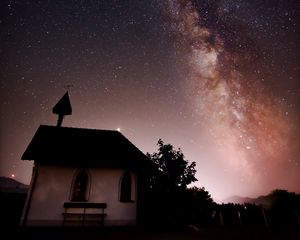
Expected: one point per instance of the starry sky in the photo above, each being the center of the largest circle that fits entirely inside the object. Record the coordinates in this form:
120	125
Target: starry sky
217	78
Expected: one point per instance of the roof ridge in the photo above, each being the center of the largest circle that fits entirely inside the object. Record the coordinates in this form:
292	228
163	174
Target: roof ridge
79	128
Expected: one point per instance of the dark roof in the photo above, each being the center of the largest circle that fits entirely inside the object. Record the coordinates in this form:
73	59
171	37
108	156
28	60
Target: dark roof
83	147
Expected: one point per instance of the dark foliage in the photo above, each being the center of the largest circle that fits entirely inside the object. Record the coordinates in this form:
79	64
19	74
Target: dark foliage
173	172
199	206
283	208
169	196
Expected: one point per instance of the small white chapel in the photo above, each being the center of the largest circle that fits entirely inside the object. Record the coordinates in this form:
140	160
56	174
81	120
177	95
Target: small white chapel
83	177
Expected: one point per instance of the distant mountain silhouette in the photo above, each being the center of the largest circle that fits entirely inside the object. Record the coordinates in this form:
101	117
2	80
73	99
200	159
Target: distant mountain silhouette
10	185
261	200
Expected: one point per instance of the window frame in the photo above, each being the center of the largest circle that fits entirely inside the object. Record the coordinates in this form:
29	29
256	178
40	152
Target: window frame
126	188
86	189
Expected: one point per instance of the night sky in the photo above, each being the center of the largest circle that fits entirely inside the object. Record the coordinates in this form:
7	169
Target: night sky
217	78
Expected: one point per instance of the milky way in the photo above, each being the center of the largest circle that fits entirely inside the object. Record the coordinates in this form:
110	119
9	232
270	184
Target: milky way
253	133
217	78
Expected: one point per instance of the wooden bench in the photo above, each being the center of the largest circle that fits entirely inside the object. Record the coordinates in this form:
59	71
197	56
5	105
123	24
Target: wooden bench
85	213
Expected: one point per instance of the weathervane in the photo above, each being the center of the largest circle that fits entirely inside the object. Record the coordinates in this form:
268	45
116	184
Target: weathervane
68	86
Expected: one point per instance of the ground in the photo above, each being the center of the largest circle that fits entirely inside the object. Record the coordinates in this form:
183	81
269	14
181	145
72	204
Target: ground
135	233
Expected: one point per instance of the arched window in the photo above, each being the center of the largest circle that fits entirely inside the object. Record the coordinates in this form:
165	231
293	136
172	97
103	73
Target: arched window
80	185
125	193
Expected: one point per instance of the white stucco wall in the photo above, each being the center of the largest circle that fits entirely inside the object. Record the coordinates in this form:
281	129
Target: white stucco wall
53	188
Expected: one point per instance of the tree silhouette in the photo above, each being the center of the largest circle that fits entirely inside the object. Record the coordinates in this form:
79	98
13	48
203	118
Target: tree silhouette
168	185
173	173
284	208
200	206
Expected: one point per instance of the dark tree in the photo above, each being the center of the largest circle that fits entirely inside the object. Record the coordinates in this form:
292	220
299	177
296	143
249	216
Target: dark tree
200	207
168	185
173	173
284	208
